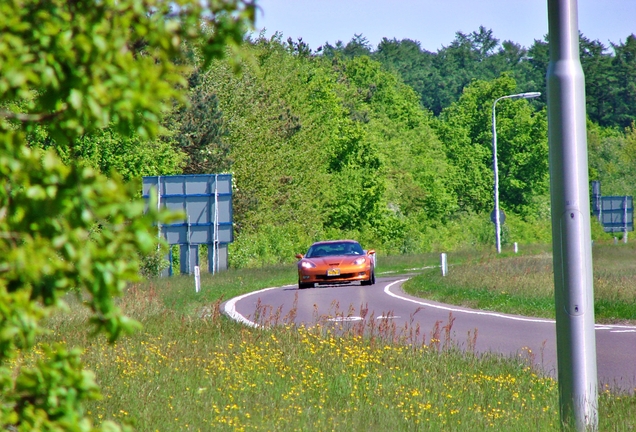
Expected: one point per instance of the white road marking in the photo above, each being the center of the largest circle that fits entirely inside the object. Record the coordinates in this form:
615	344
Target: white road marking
388	317
387	290
613	328
345	319
423	268
616	328
230	308
410	269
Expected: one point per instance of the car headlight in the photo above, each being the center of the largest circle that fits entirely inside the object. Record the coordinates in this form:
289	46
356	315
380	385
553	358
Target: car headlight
307	264
359	261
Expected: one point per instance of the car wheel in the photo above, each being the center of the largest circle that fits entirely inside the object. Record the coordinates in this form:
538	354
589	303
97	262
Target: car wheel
305	285
371	280
367	282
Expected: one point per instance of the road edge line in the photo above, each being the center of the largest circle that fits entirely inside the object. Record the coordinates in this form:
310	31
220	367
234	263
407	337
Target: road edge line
229	307
466	311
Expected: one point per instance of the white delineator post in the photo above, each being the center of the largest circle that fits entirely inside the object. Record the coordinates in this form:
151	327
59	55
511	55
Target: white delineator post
571	235
197	279
443	264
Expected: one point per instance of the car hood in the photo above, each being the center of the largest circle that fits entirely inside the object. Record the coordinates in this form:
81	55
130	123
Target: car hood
335	260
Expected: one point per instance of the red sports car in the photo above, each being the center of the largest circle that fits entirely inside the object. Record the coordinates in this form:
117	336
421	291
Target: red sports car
335	262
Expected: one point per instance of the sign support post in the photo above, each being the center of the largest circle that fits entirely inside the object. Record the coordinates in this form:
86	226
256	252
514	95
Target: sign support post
625	220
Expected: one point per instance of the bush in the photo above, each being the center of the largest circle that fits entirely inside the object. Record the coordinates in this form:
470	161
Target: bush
153	264
269	245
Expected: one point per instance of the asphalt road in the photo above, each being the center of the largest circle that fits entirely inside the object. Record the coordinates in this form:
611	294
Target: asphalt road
385	306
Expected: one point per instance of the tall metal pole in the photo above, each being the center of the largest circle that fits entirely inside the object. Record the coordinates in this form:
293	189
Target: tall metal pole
571	236
495	167
625	219
496	173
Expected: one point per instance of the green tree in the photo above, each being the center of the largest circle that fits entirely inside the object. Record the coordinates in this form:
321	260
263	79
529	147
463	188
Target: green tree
200	135
132	157
612	155
413	64
276	140
596	64
461	62
466	130
72	68
328	147
624	73
629	154
607	78
356	47
530	73
440	77
331	51
395	122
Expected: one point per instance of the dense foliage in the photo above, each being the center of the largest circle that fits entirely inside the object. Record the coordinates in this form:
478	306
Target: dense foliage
322	147
441	198
330	145
440	77
68	70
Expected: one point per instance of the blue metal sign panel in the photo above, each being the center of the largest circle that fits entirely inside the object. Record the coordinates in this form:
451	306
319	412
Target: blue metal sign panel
617	213
205	200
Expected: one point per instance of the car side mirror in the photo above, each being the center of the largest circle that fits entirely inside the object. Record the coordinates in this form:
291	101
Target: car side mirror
371	252
299	256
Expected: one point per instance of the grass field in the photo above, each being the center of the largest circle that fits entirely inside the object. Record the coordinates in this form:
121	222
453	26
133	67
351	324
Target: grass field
523	283
192	369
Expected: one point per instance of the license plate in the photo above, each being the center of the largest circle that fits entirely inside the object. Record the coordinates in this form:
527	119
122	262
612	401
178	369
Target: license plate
333	272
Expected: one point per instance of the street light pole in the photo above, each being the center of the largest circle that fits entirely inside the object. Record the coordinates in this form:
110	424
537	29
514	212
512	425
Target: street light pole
570	209
528	95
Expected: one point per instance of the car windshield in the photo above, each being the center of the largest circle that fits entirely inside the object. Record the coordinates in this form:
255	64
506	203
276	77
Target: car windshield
331	249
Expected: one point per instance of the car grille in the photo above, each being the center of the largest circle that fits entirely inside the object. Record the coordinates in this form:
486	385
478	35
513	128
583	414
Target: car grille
341	276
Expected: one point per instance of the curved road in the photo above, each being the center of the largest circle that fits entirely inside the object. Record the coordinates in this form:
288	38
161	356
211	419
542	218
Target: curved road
385	306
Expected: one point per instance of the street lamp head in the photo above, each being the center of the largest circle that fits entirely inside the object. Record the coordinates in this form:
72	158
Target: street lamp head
530	95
